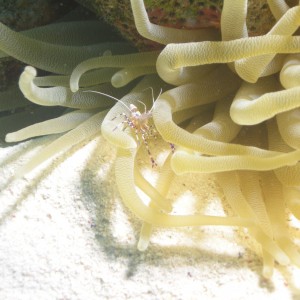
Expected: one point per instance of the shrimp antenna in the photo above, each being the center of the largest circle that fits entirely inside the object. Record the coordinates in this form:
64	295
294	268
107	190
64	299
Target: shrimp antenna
145	108
153	102
109	96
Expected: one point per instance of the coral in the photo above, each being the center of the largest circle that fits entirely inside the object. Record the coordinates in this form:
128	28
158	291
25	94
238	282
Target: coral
230	107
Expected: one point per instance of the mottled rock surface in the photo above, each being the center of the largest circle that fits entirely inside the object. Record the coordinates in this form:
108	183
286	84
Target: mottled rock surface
25	14
189	14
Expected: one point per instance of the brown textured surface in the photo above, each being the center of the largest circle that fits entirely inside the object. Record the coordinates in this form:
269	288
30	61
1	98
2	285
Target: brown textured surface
178	14
25	14
259	18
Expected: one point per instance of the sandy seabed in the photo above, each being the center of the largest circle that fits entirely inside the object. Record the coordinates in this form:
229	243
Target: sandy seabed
65	234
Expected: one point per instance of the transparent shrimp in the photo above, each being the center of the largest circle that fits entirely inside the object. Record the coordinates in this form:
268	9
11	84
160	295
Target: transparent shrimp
139	122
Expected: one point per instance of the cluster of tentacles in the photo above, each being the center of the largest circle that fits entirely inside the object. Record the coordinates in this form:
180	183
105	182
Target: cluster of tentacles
237	97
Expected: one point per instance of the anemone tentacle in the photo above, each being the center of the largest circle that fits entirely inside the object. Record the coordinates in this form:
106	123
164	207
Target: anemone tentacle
165	35
117	61
61	124
221	104
175	57
51	57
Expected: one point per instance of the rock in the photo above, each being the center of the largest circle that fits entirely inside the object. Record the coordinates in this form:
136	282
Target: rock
189	14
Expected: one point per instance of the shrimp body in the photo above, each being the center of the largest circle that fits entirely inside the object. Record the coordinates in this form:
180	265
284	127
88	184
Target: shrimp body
139	123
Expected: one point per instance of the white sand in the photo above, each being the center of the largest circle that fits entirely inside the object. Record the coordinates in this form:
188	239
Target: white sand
65	235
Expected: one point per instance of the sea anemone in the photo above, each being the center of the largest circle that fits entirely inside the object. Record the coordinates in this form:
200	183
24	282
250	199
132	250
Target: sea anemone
230	107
